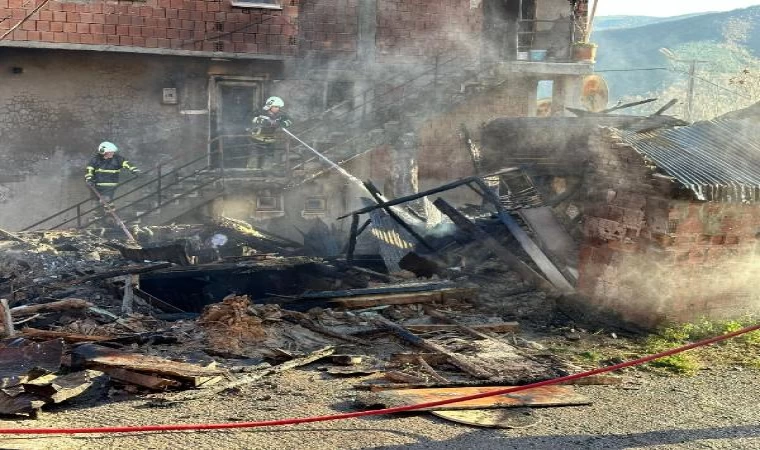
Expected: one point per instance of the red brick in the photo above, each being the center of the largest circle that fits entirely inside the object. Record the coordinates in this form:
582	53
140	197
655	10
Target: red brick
96	28
185	35
19	14
175	23
86	39
125	40
164	43
82	7
99	39
15	3
172	34
176	43
112	40
59	16
69	27
146	11
151	42
34	35
112	19
56	27
47	36
29	25
146	32
200	26
138	41
164	3
68	7
86	17
135	31
109	29
159	13
73	17
83	28
99	18
199	35
196	15
139	21
183	14
96	8
73	38
44	15
177	4
172	13
213	7
60	37
122	30
188	25
162	23
159	33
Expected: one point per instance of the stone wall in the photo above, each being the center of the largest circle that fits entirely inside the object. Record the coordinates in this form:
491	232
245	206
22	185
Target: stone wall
652	253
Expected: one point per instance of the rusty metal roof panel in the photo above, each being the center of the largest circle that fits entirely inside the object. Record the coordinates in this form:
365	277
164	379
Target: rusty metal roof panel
719	160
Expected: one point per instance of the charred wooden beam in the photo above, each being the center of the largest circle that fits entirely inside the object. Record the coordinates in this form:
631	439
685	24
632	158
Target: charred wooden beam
454	359
379	198
515	263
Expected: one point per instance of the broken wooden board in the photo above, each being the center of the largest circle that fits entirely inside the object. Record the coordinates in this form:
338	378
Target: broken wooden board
17	362
500	327
60	305
152	382
57	388
72	338
439	296
510	418
101	358
434	359
540	396
19	403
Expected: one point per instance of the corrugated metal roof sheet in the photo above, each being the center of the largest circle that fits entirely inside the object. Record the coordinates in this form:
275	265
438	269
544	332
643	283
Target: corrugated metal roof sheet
719	160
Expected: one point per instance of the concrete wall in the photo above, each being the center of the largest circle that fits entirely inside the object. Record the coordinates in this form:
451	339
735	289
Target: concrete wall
651	253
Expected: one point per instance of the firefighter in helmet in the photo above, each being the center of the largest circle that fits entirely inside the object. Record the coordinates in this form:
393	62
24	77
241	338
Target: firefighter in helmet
102	173
265	136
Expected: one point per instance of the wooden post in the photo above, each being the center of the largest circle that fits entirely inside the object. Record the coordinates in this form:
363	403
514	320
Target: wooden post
352	238
130	281
7	319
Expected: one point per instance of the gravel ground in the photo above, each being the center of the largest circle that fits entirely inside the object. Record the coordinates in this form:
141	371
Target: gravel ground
716	409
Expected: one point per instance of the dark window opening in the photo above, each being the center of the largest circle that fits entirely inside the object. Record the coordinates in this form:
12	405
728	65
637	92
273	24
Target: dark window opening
315	204
339	92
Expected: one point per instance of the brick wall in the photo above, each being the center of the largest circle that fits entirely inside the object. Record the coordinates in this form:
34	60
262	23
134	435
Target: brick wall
651	254
328	26
195	25
443	155
423	28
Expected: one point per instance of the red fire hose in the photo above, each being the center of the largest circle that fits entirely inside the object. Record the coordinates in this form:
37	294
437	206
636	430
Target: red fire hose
297	420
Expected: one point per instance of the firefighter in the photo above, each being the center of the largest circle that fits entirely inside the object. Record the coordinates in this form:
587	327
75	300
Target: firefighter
265	136
103	171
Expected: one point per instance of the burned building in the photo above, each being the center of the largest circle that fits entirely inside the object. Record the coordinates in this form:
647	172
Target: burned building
380	86
671	221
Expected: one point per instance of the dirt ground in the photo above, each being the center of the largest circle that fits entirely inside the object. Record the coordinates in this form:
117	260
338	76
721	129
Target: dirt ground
715	409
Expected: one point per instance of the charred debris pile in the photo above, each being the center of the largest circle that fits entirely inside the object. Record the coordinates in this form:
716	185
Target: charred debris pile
195	310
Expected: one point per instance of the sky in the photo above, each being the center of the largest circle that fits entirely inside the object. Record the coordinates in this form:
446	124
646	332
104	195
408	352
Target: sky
665	8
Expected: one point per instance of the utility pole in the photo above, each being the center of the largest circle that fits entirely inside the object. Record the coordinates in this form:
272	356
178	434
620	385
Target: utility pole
692	74
690	95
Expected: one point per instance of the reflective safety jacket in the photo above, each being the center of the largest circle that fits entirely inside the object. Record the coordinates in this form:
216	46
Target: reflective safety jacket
105	172
266	125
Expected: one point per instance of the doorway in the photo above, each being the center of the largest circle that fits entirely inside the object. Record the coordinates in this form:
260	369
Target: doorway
236	103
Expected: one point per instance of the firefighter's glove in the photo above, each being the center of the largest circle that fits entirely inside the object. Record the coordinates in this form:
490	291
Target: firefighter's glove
136	172
89	182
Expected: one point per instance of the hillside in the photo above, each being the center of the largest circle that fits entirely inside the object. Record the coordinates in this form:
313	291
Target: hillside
617	22
701	36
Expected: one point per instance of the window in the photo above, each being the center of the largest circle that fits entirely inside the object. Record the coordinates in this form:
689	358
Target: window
267	4
265	201
315	205
544	96
339	92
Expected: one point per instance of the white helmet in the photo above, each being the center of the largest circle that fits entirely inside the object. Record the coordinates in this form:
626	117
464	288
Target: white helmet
273	101
107	147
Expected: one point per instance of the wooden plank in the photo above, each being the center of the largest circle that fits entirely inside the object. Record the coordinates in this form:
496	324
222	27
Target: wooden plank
440	296
72	338
501	252
500	327
60	305
17	362
434	359
534	251
152	382
101	358
430	371
58	388
308	359
352	238
541	396
303	320
394	289
452	358
401	377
